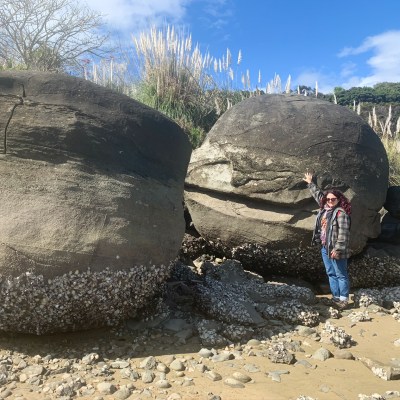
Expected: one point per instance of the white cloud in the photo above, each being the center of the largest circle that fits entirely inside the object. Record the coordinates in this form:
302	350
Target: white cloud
130	16
376	60
348	69
383	61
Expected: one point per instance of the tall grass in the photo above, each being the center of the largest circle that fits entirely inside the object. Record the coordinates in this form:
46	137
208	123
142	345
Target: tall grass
168	72
392	146
174	77
390	137
110	73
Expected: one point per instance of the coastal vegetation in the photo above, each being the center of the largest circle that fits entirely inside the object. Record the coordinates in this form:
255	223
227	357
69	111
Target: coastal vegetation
170	73
166	70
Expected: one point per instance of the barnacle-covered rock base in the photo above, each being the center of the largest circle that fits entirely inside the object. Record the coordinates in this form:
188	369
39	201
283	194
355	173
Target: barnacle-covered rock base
385	296
78	300
365	271
235	304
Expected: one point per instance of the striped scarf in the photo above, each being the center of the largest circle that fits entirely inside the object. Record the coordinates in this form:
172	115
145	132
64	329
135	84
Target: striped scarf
325	222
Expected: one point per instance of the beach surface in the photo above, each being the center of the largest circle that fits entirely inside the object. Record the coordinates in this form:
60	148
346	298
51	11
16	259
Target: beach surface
153	362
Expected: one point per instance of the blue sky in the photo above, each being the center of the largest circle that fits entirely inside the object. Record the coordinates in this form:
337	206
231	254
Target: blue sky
334	42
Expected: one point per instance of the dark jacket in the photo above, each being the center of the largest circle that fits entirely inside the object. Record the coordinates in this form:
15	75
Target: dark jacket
338	228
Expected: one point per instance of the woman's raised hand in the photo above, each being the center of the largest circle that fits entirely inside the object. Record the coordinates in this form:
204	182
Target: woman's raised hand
308	177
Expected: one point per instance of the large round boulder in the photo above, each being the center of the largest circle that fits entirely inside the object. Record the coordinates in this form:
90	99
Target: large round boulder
91	202
244	184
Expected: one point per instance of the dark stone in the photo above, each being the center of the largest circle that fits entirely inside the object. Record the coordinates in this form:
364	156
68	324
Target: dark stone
89	177
244	184
390	229
392	203
91	203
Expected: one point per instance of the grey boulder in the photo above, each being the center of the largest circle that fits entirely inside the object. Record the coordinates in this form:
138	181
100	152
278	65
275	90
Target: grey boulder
244	184
91	202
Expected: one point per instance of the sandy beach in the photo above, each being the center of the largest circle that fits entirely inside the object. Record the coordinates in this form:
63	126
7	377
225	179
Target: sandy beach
114	368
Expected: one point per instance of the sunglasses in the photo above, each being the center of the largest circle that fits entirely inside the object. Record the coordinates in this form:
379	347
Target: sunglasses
329	199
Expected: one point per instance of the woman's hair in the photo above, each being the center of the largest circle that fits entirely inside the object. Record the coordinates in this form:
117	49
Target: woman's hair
343	201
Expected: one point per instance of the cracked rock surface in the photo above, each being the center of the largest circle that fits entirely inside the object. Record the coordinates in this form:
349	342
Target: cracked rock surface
244	184
89	184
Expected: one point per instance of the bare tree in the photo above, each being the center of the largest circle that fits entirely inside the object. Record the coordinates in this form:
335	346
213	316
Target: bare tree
48	35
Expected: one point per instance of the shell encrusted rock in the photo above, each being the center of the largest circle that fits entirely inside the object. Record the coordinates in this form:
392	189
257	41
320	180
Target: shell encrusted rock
32	304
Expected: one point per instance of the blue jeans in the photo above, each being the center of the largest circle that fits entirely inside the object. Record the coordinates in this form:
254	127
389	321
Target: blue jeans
337	275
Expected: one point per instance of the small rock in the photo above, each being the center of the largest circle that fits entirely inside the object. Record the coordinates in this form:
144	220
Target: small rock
205	353
201	367
5	393
147	376
90	359
343	354
33	370
214	376
222	357
130	374
251	368
168	359
276	375
106	388
148	363
304	363
122	393
120	364
163	384
233	383
277	353
161	367
241	377
394	362
187	382
322	354
177	365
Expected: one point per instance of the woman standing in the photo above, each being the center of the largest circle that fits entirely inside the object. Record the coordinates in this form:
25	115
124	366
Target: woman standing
332	232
